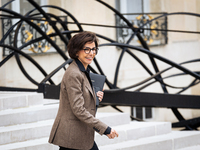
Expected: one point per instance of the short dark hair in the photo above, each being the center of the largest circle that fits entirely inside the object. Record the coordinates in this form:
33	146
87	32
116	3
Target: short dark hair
77	42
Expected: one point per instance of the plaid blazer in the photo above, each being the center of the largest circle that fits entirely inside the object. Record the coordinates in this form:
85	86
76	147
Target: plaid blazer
75	122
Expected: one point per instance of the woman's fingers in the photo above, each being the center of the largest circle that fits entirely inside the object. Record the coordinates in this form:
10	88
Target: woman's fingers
116	134
100	95
112	134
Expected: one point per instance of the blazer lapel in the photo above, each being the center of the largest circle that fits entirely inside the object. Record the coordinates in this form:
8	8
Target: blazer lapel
89	87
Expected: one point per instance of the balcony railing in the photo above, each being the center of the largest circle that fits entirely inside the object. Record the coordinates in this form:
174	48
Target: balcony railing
153	32
27	33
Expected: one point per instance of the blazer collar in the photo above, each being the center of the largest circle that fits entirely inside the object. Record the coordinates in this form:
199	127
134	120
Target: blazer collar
81	67
83	71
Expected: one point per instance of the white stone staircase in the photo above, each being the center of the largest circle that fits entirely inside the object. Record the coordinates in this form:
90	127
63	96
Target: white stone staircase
26	120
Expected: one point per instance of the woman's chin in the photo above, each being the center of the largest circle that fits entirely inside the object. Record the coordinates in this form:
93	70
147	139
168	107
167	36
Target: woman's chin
89	61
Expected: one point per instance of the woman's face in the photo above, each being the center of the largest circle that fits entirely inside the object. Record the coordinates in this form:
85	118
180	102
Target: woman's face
86	59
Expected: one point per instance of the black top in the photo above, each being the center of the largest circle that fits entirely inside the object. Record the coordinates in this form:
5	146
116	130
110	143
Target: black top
87	73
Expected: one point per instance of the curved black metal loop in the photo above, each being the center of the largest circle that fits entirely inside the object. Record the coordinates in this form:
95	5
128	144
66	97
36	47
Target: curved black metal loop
155	56
142	41
187	62
38	29
31	42
27	57
49	20
18	59
16	55
130	53
63	10
7	3
15	44
47	78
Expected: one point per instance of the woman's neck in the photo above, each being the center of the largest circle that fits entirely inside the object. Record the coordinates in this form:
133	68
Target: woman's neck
84	65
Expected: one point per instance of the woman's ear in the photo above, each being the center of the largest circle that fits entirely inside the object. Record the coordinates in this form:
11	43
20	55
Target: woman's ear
77	54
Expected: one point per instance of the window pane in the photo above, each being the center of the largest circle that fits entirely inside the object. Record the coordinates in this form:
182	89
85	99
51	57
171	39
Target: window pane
139	112
25	6
134	6
148	112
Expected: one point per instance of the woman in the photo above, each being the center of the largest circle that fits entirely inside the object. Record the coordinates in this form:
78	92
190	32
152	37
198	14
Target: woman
75	123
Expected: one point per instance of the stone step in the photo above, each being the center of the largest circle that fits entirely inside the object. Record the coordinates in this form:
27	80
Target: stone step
196	147
27	115
30	131
171	141
17	100
24	132
176	140
114	119
37	144
135	130
40	130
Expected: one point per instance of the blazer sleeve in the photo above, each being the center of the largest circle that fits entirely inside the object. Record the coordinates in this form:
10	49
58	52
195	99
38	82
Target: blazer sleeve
73	83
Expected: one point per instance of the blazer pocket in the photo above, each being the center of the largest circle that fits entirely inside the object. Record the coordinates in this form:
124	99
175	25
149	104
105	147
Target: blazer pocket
80	132
77	128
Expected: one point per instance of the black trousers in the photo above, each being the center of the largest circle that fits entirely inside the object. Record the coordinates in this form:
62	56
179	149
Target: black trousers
93	148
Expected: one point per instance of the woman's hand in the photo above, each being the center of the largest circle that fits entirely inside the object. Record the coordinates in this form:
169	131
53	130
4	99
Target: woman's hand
100	95
112	134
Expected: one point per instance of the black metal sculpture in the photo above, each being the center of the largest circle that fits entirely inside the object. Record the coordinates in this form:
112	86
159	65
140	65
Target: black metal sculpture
116	96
